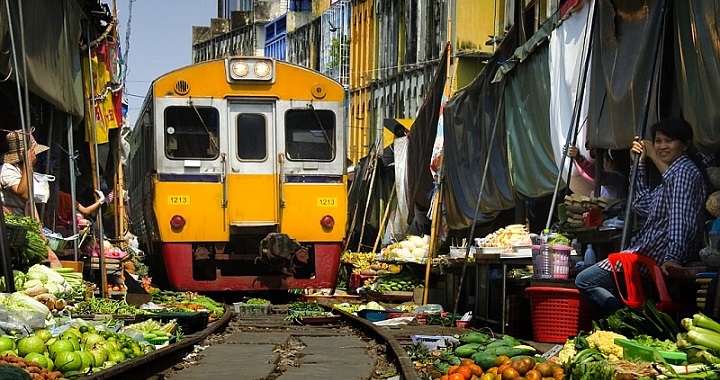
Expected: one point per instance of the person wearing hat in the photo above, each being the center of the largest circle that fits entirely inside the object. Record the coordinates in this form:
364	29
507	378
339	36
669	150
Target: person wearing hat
674	211
13	175
14	178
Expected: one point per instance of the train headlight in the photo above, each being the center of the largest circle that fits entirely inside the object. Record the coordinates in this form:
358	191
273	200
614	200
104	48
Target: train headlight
246	69
262	69
327	221
240	69
177	222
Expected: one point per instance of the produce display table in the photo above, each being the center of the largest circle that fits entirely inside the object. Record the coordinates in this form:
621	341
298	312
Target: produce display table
484	262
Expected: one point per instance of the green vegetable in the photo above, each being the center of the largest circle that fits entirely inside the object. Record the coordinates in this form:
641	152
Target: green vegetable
701	320
647	320
474	337
484	360
442	366
466	350
704	337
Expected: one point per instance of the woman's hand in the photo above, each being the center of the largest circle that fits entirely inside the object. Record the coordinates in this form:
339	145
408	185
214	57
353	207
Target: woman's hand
573	152
100	196
667	265
638	147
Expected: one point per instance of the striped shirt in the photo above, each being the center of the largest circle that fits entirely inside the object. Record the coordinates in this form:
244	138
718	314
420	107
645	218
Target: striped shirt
674	210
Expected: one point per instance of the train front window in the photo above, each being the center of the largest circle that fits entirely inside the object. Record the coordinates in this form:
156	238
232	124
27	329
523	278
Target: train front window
310	135
251	137
191	133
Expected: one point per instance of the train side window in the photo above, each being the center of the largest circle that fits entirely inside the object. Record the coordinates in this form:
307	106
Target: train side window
251	137
310	135
191	133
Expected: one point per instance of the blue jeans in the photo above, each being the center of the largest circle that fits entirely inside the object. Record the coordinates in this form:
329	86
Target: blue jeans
598	288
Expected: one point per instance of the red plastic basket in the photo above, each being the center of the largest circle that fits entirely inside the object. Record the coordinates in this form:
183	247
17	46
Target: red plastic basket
557	313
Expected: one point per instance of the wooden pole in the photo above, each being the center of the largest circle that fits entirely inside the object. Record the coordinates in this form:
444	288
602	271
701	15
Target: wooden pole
384	219
433	238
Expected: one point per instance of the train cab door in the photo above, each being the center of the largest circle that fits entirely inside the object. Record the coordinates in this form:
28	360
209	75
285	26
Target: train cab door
252	181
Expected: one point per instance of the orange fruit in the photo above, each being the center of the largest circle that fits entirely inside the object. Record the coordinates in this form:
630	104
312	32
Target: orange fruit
500	360
533	374
456	376
467	361
502	368
465	372
476	369
545	369
453	369
510	373
445	377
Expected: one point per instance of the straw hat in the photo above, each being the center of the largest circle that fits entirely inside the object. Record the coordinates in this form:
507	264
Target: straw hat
15	147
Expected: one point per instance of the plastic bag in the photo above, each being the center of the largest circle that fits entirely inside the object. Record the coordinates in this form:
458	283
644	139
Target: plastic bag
41	187
431	308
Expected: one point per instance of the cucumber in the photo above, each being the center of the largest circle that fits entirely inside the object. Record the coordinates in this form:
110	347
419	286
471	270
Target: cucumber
149	336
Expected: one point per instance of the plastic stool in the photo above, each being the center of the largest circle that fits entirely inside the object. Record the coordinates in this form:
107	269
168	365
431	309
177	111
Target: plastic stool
631	264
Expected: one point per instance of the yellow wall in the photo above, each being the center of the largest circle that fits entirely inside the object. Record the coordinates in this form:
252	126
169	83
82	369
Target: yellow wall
475	21
362	73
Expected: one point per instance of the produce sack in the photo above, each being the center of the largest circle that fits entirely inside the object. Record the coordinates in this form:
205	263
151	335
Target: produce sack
41	187
26	311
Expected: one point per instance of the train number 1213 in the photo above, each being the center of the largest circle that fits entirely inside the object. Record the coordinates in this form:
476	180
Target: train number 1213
327	202
178	199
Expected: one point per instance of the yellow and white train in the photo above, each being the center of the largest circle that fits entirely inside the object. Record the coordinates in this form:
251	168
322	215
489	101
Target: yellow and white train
237	176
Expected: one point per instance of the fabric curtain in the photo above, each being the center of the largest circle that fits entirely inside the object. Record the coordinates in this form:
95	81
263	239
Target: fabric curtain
697	58
51	30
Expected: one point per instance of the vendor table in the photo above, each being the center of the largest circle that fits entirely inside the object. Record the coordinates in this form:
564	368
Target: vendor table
604	240
483	264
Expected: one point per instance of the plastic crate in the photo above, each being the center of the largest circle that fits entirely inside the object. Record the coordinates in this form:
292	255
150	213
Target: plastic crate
190	322
242	308
16	236
373	315
634	350
557	313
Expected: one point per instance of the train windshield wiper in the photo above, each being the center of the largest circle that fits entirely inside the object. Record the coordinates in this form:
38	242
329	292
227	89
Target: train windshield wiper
213	141
322	128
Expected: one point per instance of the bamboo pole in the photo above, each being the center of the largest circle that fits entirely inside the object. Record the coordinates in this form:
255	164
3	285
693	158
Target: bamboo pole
433	238
384	219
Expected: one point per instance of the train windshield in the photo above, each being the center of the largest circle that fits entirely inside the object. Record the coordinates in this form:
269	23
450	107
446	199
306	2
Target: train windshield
251	137
191	133
310	135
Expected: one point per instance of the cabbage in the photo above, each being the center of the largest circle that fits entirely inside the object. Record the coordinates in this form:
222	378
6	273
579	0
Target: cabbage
31	284
53	288
35	275
372	305
51	274
416	240
25	310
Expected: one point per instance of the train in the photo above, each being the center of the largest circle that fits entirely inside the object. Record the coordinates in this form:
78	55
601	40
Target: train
236	176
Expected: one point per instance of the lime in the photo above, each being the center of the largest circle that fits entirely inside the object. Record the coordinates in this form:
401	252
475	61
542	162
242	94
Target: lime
60	346
43	334
6	343
30	344
68	361
40	359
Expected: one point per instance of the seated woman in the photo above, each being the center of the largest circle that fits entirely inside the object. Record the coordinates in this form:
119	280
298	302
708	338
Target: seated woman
674	212
14	179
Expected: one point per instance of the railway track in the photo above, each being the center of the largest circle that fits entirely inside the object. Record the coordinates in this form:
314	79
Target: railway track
274	347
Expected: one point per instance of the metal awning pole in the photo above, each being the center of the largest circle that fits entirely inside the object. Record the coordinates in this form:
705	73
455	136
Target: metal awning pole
641	128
